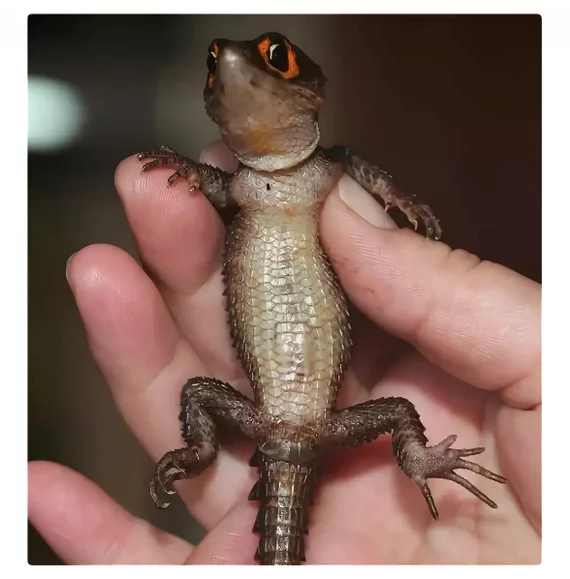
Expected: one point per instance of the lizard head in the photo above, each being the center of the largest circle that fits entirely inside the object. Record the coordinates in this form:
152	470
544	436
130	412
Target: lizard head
264	94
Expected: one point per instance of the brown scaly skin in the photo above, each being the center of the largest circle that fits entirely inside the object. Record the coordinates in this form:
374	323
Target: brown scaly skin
287	311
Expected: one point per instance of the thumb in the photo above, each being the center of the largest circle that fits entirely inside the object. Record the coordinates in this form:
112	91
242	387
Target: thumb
477	320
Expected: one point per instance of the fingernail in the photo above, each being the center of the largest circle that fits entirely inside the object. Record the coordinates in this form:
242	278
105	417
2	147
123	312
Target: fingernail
363	204
68	264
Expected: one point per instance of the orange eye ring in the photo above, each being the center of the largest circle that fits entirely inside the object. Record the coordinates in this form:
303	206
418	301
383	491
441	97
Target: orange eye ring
264	48
211	63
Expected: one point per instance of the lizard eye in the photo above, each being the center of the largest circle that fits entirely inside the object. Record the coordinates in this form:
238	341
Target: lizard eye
211	62
279	55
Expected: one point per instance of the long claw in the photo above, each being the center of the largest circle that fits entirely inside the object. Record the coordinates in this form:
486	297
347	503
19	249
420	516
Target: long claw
470	487
429	500
467	465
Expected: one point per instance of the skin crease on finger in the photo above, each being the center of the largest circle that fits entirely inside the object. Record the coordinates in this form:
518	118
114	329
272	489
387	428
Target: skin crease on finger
373	279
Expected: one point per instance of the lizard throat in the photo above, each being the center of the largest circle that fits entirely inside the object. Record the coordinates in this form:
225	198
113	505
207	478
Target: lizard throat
268	150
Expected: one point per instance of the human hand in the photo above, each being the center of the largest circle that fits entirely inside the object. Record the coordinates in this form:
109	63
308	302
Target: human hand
460	338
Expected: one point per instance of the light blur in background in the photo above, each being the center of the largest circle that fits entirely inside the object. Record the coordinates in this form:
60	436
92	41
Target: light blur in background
450	105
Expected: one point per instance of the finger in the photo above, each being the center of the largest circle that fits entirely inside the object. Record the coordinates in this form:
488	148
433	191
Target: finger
177	231
218	155
179	237
231	542
477	320
520	444
84	526
373	352
146	363
131	335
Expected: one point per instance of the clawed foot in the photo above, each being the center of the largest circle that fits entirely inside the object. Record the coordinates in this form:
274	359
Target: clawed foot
165	156
173	466
440	461
418	211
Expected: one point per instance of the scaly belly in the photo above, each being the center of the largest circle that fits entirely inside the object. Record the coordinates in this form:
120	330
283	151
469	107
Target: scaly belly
287	314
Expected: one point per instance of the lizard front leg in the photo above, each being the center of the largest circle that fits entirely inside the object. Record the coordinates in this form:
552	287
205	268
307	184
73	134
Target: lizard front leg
213	182
380	184
365	422
207	403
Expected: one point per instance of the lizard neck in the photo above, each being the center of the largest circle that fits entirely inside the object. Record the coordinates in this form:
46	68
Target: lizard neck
276	151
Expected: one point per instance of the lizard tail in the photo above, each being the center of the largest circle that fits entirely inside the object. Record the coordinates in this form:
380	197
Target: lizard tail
285	492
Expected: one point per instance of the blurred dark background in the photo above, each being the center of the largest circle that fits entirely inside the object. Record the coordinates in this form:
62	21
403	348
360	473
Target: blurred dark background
450	105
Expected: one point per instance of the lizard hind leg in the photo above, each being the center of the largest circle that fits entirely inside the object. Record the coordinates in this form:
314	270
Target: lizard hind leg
420	462
206	404
177	465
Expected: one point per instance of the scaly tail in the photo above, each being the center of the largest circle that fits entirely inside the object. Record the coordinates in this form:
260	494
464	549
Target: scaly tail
285	492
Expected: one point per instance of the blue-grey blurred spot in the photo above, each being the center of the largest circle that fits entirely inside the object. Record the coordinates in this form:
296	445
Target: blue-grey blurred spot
56	114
